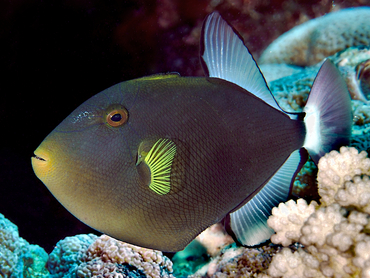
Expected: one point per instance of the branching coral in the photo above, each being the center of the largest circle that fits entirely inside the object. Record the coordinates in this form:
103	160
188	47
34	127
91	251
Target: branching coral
355	193
214	238
294	264
336	234
287	220
337	168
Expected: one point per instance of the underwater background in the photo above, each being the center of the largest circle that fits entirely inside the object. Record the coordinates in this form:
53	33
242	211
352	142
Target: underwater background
57	54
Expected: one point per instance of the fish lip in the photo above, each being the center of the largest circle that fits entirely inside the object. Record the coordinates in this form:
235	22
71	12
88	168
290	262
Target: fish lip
38	157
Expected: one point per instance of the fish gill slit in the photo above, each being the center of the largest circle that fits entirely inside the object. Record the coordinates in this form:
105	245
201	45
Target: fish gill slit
132	153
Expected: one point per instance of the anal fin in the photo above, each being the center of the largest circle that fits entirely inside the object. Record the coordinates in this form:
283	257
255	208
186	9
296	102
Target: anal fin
249	222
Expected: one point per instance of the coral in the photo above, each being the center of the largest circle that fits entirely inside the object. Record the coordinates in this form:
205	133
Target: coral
361	113
356	193
353	63
17	257
309	43
287	220
151	262
362	259
252	19
305	184
319	224
239	262
336	234
214	239
197	254
189	260
338	168
34	263
92	256
273	72
68	254
328	238
292	91
360	137
294	264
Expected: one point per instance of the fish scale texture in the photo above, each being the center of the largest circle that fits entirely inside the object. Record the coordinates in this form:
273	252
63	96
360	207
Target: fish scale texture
311	42
228	143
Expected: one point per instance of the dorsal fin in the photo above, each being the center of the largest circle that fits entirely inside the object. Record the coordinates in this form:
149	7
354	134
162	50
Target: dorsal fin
224	55
160	76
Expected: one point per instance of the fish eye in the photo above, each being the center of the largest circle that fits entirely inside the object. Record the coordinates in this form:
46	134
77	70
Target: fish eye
117	117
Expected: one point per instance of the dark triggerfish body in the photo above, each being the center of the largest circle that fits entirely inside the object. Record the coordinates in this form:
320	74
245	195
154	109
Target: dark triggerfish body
156	160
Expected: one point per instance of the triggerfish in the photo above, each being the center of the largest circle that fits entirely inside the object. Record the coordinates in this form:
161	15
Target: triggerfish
156	160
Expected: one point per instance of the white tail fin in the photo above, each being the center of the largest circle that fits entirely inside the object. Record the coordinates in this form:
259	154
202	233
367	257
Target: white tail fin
328	113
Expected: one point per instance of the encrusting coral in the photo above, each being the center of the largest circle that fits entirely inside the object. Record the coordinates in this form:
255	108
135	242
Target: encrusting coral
92	256
312	41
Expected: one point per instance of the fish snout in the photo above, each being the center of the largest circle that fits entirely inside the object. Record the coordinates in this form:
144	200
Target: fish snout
41	163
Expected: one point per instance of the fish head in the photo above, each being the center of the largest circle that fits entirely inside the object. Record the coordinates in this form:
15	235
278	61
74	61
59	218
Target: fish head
91	155
109	163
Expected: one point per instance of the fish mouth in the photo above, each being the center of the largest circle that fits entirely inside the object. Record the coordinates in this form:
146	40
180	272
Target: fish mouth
41	163
38	157
41	154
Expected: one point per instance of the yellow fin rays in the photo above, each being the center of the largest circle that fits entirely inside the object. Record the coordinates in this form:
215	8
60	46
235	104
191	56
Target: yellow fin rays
159	160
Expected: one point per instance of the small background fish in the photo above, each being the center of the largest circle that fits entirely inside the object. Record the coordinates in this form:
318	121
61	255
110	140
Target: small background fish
52	65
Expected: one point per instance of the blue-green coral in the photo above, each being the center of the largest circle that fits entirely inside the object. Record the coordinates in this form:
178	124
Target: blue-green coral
18	258
91	256
77	256
68	255
191	259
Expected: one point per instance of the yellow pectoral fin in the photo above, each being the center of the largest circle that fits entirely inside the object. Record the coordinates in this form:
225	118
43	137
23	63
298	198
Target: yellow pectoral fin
159	161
